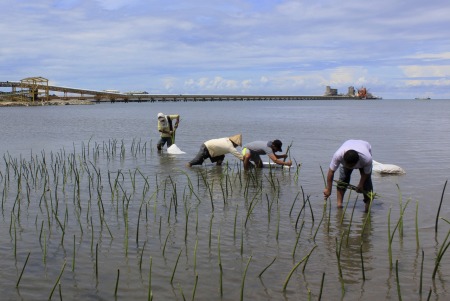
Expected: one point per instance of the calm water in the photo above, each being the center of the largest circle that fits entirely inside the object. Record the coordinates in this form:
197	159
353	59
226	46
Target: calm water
409	133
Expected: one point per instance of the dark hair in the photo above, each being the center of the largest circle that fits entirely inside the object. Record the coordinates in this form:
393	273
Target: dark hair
277	144
351	156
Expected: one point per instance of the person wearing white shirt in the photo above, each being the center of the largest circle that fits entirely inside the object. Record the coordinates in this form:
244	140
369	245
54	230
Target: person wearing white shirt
216	149
353	154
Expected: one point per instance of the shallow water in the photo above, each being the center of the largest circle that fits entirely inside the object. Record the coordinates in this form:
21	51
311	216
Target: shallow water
410	133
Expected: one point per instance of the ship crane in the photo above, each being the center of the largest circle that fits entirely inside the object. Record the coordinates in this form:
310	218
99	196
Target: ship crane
362	93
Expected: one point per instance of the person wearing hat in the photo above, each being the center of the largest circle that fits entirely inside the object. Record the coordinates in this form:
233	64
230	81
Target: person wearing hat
253	150
166	129
216	149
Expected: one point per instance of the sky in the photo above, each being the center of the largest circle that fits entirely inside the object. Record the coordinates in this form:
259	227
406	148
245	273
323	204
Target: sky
398	49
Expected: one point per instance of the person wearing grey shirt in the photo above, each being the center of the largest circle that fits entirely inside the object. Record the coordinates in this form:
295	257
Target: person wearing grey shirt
253	150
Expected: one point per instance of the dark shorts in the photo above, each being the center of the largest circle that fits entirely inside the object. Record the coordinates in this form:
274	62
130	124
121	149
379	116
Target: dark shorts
345	175
162	141
203	154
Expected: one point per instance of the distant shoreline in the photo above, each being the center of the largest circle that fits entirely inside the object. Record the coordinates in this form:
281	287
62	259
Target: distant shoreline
45	103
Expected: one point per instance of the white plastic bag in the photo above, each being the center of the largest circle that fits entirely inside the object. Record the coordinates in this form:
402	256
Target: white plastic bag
387	168
174	150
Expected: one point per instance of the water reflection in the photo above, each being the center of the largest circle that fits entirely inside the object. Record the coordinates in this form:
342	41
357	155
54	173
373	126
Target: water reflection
260	236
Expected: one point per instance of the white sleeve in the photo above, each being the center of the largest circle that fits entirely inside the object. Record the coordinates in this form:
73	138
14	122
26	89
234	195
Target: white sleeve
369	163
235	153
368	166
335	162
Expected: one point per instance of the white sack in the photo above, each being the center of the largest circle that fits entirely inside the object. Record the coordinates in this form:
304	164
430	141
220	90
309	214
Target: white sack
174	150
267	164
386	168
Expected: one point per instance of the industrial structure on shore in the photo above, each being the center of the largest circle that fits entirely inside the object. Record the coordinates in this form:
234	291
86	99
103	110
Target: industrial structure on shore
38	89
362	93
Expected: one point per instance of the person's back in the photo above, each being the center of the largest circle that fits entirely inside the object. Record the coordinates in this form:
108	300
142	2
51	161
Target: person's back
353	154
220	146
253	150
215	149
364	150
259	147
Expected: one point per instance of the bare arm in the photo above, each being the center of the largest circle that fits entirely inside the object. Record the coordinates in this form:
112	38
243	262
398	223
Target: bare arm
275	158
327	191
247	163
178	120
166	132
281	156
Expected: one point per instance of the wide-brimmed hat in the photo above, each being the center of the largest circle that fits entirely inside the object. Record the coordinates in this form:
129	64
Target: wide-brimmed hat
237	139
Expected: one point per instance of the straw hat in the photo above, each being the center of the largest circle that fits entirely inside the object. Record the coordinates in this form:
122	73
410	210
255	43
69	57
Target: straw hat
237	139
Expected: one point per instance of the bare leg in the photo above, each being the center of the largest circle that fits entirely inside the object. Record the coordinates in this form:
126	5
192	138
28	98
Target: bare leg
158	146
259	164
188	165
367	206
340	197
219	163
247	164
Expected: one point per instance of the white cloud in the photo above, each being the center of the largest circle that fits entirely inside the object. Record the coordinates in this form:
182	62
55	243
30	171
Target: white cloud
247	83
285	47
426	71
420	82
53	83
169	82
341	77
215	82
361	81
202	82
432	56
233	84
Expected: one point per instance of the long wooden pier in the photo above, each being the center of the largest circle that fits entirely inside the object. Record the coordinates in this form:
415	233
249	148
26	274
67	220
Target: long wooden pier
105	96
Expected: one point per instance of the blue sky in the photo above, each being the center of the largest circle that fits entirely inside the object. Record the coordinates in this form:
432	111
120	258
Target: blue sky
398	49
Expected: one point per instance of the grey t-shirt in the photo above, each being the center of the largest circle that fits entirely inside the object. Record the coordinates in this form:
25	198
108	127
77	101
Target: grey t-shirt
260	147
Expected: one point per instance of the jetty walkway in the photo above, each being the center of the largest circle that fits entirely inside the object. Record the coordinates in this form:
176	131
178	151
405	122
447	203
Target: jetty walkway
106	96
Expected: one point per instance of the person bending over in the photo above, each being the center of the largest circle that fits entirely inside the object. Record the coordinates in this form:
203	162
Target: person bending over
166	129
253	150
216	149
353	154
